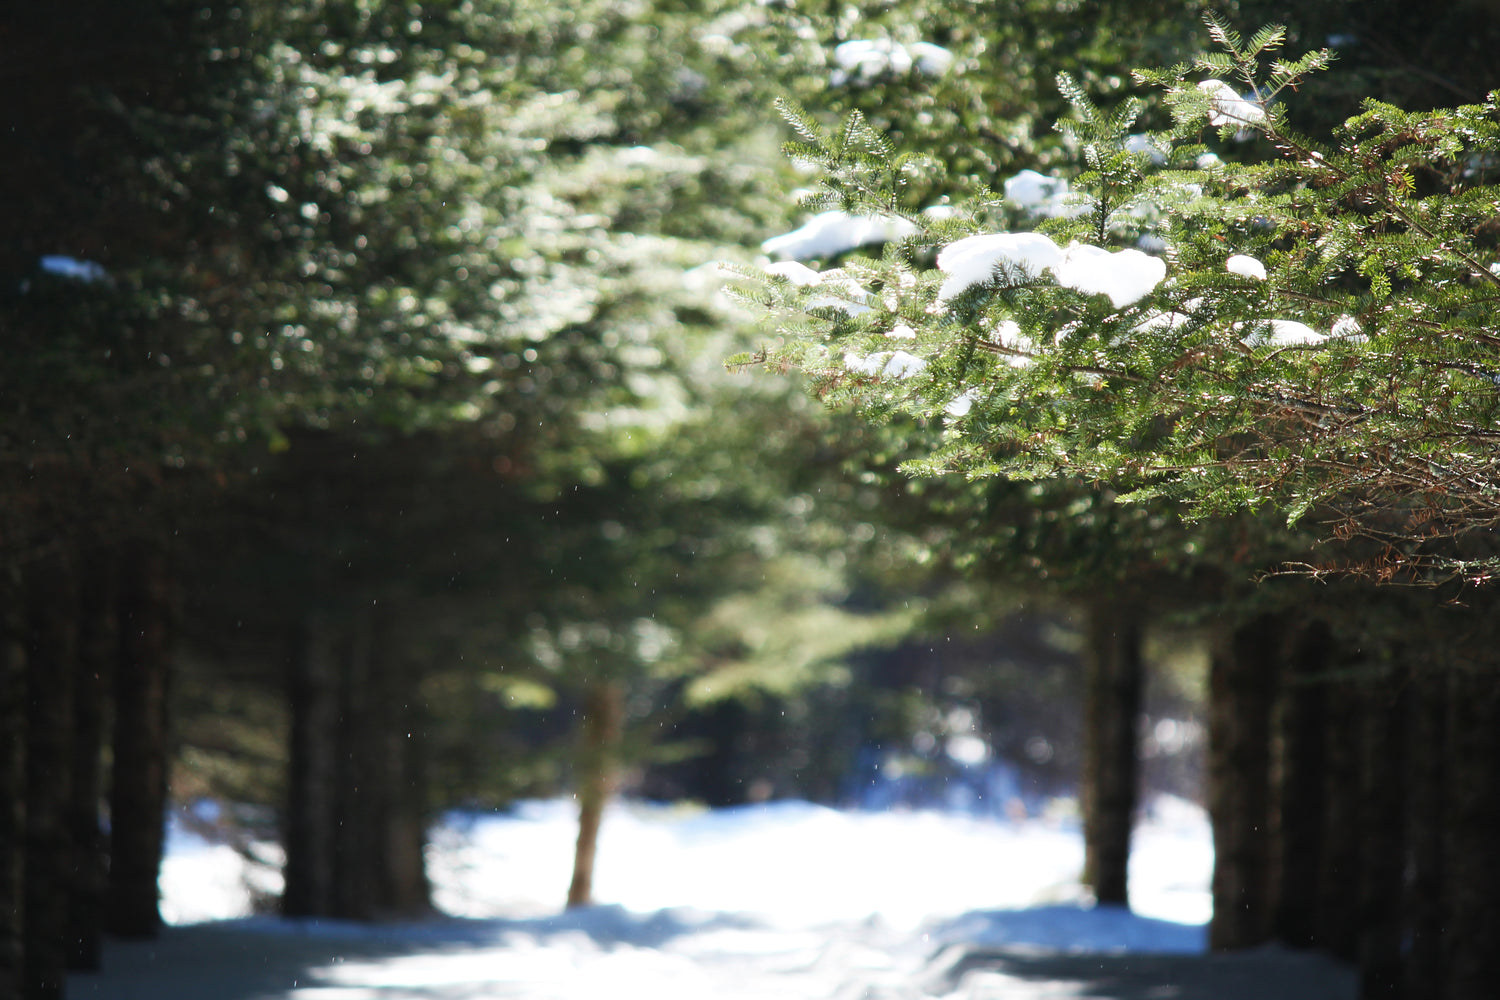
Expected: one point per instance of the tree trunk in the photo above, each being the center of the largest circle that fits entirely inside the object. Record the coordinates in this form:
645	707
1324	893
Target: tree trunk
13	730
1473	815
1241	682
1338	919
1298	806
1112	705
404	889
51	631
1382	829
1427	780
603	729
359	785
97	642
308	835
138	793
356	812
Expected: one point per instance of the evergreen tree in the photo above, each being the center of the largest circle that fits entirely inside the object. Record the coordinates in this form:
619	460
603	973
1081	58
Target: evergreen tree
1304	333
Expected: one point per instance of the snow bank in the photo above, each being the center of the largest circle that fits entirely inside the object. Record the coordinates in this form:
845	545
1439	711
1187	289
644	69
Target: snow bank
793	864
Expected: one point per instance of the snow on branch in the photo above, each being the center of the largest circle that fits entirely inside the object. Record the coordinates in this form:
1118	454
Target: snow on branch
1126	276
829	234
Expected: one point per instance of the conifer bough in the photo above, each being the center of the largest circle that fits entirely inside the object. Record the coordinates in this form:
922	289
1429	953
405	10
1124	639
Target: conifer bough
1315	331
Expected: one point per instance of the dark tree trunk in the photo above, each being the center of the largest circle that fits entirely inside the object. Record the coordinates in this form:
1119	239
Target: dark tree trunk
12	783
1382	828
1112	705
1241	684
97	643
51	631
1298	806
403	887
312	766
357	802
1338	920
1473	817
1427	780
355	830
138	787
603	729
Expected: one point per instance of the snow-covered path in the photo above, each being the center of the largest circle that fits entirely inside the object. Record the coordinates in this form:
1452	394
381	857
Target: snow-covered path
786	900
602	953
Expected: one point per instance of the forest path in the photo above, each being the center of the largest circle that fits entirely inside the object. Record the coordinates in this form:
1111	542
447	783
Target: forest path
672	954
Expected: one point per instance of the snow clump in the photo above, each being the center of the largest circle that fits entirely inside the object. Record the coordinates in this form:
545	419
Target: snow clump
1280	333
897	364
1042	195
1008	335
1348	328
863	60
1141	143
933	60
1225	107
86	271
960	405
1170	321
1244	264
830	233
847	294
973	259
1126	276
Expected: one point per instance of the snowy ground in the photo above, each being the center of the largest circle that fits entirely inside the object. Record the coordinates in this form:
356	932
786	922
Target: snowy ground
789	900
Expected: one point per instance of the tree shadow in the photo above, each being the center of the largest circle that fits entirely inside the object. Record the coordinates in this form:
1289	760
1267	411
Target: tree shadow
1023	973
259	958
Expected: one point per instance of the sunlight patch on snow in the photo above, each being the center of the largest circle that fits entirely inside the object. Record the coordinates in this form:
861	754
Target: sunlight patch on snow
793	863
786	898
